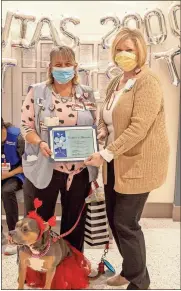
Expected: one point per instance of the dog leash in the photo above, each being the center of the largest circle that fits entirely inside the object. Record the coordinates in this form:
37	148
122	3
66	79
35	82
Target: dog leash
54	239
96	185
103	262
72	228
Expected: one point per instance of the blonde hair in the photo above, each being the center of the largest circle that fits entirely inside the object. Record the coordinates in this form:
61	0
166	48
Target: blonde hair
136	36
66	53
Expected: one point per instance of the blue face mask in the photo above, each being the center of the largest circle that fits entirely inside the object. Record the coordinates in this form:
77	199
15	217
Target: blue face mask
63	75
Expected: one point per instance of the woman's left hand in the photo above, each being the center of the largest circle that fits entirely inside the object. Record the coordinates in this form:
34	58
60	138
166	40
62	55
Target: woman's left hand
95	160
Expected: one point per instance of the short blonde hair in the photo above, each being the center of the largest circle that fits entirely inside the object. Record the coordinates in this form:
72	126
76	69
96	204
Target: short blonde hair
136	36
66	53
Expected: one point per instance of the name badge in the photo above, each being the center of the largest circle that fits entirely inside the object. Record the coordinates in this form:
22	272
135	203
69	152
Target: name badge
5	167
31	158
90	106
51	121
78	107
43	126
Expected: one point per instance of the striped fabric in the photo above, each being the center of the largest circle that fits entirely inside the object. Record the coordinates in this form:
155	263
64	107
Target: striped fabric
96	226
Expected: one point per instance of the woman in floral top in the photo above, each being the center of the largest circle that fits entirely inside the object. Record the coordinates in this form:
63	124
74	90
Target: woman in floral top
71	179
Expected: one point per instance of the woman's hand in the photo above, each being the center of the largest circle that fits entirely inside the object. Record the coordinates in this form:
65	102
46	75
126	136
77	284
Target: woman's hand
45	150
95	160
101	136
5	175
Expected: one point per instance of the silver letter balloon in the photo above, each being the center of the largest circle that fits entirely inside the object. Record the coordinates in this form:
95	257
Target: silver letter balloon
169	56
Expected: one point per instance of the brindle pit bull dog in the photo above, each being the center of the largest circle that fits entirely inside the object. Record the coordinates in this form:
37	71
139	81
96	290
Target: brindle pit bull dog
25	235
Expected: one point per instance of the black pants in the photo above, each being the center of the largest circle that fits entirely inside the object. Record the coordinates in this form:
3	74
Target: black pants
9	188
124	212
72	202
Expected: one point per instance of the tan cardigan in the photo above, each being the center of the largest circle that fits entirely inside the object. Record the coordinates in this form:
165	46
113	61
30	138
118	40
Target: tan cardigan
140	147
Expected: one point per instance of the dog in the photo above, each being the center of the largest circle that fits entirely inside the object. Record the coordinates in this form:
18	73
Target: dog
40	254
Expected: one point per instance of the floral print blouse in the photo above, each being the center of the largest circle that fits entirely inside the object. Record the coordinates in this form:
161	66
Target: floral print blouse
67	117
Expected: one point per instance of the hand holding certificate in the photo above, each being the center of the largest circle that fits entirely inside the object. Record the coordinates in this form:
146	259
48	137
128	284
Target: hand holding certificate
72	143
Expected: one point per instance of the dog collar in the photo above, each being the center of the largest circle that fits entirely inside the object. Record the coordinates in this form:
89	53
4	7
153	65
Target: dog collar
43	253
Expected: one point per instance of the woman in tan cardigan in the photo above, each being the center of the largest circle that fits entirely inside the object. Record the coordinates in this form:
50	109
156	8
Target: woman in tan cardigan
132	121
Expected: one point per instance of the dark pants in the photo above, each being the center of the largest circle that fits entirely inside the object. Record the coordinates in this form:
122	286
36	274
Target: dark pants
9	188
72	202
124	212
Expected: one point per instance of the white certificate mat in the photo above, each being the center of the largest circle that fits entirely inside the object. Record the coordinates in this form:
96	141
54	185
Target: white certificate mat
72	143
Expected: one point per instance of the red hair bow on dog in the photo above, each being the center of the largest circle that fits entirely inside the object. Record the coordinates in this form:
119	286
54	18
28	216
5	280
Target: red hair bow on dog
41	223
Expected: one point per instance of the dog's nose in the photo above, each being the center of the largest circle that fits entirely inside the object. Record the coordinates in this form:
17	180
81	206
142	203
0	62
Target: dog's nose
12	232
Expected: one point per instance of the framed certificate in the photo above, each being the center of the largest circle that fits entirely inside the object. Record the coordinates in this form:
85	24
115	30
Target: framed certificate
28	78
86	53
103	57
29	58
72	143
45	49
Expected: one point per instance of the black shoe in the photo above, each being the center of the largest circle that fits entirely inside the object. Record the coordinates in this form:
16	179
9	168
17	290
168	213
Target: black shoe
131	286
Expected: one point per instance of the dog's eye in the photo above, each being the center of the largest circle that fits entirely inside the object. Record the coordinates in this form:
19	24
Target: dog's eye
25	229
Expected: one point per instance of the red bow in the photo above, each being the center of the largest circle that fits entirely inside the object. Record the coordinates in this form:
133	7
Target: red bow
41	223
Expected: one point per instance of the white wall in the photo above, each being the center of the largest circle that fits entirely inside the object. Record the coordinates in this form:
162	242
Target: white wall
90	13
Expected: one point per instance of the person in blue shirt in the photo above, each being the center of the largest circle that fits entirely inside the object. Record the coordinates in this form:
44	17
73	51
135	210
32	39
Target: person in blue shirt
12	149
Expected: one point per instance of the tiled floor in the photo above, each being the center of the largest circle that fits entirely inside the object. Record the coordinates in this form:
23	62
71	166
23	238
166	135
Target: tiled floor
163	258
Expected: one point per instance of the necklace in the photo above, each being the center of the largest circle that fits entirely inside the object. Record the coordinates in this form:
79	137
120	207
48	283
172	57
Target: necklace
43	253
62	98
65	100
111	100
